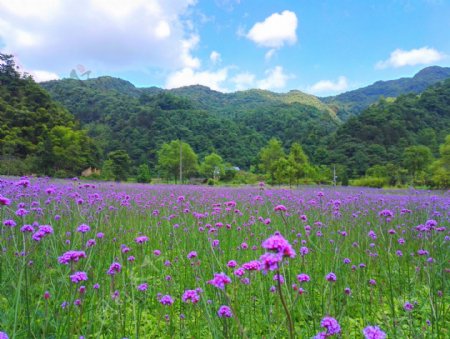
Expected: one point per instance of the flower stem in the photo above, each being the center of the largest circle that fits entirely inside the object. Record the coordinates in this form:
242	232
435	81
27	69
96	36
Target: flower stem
283	302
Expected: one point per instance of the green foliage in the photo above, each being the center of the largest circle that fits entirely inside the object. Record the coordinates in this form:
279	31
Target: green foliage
269	156
170	155
441	167
120	164
381	133
374	182
235	125
32	124
354	102
213	166
416	158
143	174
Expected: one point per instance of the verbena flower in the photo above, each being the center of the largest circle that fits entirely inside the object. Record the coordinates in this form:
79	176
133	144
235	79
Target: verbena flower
190	296
166	300
220	280
224	312
71	256
279	244
78	276
331	277
373	332
114	268
83	228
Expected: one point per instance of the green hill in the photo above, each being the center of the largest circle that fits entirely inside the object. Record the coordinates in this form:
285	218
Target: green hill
236	125
354	102
37	134
380	134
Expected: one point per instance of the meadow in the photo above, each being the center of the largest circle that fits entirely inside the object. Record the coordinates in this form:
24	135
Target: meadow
110	260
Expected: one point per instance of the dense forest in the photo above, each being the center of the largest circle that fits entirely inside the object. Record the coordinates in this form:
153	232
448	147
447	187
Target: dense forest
38	135
354	102
62	127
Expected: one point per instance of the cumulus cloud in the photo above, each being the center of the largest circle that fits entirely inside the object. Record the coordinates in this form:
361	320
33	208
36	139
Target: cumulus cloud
329	86
275	31
215	57
188	76
420	56
40	76
243	80
275	79
105	35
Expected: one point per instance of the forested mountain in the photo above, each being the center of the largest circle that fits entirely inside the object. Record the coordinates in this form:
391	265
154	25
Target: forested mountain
37	134
353	102
381	133
235	125
106	122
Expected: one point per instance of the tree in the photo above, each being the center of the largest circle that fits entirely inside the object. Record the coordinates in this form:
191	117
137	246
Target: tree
416	159
299	162
441	167
269	155
173	154
213	166
143	175
120	164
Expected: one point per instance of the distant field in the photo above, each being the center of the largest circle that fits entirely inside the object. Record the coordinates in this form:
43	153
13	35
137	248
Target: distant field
128	260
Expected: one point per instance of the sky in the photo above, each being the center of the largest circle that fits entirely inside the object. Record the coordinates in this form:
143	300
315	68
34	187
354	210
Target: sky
319	47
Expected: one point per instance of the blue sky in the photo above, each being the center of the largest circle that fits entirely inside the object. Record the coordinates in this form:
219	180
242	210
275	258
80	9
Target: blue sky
320	47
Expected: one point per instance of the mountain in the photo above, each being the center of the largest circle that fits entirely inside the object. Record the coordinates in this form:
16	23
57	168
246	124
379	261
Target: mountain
380	134
236	125
354	102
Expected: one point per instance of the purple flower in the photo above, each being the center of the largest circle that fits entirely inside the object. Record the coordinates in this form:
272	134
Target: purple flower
83	228
270	261
331	277
232	263
372	282
302	277
9	223
166	300
347	291
373	332
142	239
253	265
331	325
71	256
143	287
280	245
224	312
4	201
190	296
280	208
220	280
3	335
78	276
408	307
304	251
192	254
347	261
114	268
27	228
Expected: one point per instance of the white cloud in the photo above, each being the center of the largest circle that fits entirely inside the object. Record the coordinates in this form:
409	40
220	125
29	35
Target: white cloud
275	79
420	56
40	76
215	57
105	35
269	54
275	31
243	81
188	76
329	86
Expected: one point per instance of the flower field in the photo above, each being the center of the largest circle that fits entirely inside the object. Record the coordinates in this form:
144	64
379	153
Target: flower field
107	260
